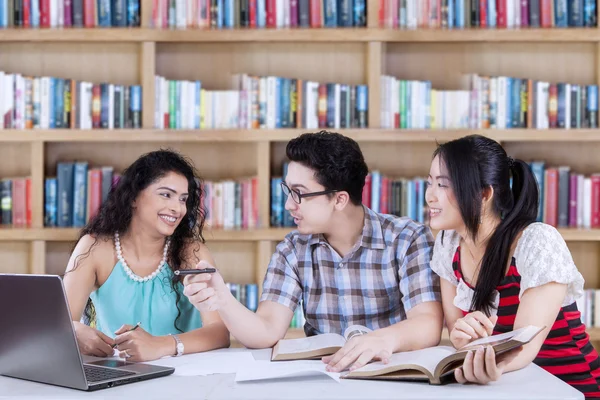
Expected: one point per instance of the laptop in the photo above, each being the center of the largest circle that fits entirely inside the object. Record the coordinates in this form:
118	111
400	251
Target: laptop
37	339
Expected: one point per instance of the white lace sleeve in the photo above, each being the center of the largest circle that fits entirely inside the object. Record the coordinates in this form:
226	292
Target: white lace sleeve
441	261
542	256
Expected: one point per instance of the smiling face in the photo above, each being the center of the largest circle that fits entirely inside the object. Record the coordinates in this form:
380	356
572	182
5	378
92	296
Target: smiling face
443	208
313	214
162	205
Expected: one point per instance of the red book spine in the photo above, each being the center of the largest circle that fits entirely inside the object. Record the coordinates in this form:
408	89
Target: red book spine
29	207
89	13
45	13
271	13
551	196
252	5
501	13
255	202
27	13
483	13
19	202
315	13
546	13
595	223
384	201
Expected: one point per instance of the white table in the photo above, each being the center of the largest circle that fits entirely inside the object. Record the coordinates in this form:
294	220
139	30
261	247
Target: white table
531	382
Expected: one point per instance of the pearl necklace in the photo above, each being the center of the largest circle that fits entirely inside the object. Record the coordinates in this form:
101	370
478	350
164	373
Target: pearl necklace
128	270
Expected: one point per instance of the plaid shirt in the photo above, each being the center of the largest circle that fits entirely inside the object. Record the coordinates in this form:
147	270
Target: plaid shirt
386	274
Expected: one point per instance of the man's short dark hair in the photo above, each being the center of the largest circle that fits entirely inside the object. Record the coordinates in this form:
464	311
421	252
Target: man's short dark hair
336	159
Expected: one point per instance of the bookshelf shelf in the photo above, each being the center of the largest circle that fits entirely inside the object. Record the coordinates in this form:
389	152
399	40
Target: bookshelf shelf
138	35
254	235
284	135
352	56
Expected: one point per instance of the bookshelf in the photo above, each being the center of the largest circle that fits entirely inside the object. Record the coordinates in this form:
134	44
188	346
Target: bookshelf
133	56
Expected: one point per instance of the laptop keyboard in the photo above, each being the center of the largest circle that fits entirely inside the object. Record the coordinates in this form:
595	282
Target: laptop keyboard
97	374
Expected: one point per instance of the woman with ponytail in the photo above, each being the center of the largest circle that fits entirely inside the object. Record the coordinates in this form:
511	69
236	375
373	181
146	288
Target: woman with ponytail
501	269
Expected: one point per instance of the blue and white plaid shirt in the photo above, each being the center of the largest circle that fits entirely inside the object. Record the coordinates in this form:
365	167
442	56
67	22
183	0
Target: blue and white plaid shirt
386	274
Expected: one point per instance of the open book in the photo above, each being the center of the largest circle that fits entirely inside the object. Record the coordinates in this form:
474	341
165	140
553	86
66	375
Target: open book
437	364
314	346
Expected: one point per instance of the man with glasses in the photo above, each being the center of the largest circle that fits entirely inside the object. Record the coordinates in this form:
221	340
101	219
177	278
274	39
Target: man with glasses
348	265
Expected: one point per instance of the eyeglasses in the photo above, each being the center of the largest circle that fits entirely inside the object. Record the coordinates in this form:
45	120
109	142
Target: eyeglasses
297	196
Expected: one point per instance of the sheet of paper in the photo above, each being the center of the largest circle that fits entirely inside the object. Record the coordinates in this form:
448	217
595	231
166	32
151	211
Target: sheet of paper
260	370
211	362
310	343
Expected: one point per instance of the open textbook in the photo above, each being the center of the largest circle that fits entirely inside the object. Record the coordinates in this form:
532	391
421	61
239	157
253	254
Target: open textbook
435	364
314	346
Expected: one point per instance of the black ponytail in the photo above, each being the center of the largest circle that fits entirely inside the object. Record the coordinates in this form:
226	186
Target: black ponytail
475	163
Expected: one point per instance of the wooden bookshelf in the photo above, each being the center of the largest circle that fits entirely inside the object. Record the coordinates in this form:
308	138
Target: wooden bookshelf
284	135
252	235
139	35
353	56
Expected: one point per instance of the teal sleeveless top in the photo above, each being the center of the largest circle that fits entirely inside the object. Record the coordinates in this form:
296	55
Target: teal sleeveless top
122	300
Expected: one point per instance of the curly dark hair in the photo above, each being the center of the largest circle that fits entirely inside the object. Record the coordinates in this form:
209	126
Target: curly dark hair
116	212
337	161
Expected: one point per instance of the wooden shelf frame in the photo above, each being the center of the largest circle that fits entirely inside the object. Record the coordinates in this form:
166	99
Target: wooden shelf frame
374	42
337	35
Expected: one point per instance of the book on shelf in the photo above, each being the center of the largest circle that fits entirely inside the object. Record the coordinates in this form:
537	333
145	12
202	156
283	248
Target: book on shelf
260	102
314	347
227	14
15	201
382	193
436	365
69	13
231	204
488	102
76	193
500	14
567	199
28	102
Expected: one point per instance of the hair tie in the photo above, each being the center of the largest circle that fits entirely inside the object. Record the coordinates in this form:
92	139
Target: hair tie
511	162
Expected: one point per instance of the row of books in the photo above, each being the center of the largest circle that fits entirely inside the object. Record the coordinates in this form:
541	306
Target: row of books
492	14
75	194
589	307
15	201
47	102
259	13
265	102
231	204
247	294
496	102
567	199
381	193
69	13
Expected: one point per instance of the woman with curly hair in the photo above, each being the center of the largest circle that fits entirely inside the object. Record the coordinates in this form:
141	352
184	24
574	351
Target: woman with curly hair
121	271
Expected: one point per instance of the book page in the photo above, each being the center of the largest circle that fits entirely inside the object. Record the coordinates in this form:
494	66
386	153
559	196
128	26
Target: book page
355	330
222	361
283	369
427	358
524	334
325	340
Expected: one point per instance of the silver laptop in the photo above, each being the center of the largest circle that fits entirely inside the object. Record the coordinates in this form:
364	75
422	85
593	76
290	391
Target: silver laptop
37	340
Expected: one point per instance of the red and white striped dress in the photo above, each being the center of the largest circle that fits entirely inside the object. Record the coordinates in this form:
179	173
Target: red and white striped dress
567	352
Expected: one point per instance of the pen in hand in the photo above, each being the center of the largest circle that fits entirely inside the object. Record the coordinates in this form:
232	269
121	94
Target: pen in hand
182	272
130	330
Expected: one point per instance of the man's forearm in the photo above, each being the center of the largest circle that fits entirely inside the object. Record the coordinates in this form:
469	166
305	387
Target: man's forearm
252	330
414	333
